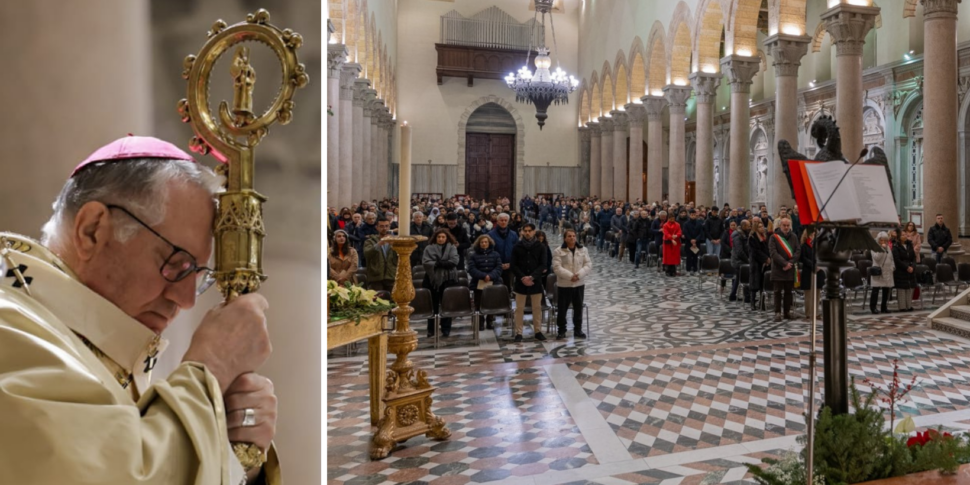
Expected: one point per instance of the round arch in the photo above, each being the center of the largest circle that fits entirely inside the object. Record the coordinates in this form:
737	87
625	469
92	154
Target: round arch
519	141
708	27
679	45
656	60
638	71
621	77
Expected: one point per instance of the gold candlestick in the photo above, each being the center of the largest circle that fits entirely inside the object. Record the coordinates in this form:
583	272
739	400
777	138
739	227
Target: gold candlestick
407	396
232	138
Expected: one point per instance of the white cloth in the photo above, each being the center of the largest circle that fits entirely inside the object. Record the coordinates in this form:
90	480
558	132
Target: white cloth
566	263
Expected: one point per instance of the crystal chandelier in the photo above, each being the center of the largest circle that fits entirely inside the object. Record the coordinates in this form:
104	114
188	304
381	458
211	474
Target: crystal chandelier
544	87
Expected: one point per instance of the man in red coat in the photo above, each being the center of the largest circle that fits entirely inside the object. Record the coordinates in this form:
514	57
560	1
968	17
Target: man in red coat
671	250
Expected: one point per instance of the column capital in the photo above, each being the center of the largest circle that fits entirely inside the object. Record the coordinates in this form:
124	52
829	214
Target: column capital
594	129
360	86
849	25
654	105
677	97
620	120
787	52
635	113
584	134
606	125
705	86
336	57
348	75
740	71
934	9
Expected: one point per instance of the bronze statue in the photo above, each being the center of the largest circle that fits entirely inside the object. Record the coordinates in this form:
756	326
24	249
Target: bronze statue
243	80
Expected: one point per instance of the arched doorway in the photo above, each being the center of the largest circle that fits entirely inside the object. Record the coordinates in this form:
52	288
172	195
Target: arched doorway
493	120
490	153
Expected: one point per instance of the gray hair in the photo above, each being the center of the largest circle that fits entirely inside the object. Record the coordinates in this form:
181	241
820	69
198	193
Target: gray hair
662	213
503	216
370	215
139	185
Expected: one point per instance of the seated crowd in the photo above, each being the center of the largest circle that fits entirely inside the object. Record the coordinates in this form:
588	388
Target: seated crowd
491	243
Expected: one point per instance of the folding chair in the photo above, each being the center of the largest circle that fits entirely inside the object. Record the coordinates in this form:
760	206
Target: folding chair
744	282
725	274
495	301
456	303
709	267
852	281
944	279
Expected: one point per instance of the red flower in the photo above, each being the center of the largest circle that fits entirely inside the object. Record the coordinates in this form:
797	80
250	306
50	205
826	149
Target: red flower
920	439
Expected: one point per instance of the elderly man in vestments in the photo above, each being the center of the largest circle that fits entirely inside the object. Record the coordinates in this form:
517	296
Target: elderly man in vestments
80	321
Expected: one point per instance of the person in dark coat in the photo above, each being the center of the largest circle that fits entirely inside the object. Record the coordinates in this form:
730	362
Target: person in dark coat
484	269
807	260
641	230
420	227
727	245
440	261
785	251
631	235
694	238
618	224
739	256
760	259
528	265
541	237
904	276
940	239
461	237
656	229
603	219
505	239
713	229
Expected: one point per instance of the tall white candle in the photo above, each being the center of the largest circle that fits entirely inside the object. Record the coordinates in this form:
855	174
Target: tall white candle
404	184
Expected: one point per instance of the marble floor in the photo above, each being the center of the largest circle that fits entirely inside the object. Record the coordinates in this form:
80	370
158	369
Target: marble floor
675	386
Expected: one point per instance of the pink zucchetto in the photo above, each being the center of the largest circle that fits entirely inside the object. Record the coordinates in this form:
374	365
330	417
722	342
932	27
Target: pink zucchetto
133	146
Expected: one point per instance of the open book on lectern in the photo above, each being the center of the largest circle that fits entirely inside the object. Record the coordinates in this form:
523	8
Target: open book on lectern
864	197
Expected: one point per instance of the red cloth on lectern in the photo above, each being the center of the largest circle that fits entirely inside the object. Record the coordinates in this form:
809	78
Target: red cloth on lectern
672	242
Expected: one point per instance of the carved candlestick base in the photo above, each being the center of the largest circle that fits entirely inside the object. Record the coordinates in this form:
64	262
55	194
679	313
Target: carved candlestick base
407	393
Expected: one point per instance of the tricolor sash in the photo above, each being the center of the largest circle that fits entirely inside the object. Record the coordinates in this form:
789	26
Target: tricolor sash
784	245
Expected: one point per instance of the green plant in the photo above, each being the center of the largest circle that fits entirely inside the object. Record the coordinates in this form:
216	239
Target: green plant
789	470
351	302
937	450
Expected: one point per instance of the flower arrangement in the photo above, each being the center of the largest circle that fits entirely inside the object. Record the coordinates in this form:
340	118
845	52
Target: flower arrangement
330	109
351	302
858	447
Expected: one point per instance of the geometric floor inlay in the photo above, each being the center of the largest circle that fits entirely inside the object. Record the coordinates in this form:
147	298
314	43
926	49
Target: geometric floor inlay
688	386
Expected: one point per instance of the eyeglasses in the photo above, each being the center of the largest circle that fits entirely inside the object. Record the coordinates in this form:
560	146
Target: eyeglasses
178	265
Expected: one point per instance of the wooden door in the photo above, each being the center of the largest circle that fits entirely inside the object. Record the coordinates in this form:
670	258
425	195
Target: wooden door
690	192
490	166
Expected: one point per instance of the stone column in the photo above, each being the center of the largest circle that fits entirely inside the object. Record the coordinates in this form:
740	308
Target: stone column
360	86
606	161
849	25
595	159
940	105
336	56
584	158
740	70
348	76
620	130
654	106
677	97
705	89
635	114
787	52
367	160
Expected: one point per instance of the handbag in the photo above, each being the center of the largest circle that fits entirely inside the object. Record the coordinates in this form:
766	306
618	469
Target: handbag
875	271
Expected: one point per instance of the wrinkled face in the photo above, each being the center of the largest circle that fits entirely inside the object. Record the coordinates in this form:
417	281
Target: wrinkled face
418	218
356	218
503	222
128	274
785	226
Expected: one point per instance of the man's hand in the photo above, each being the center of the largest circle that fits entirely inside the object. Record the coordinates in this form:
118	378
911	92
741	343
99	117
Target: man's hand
232	339
251	391
909	269
693	242
575	278
488	278
527	281
787	267
939	249
716	241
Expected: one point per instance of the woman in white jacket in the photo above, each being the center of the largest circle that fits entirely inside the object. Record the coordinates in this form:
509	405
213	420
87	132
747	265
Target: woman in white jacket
571	264
884	281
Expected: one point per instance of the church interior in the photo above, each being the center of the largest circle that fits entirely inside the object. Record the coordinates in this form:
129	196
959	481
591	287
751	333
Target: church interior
663	104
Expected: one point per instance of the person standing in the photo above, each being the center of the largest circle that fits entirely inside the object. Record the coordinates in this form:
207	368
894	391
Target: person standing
713	228
739	257
807	258
484	269
882	282
440	260
504	239
343	259
914	236
528	264
785	251
381	260
694	238
672	241
420	227
904	274
939	238
571	264
618	224
462	242
760	257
